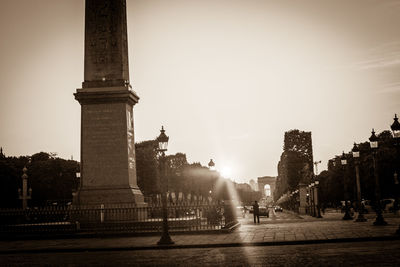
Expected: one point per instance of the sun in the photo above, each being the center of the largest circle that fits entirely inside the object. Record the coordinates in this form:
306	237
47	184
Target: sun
226	172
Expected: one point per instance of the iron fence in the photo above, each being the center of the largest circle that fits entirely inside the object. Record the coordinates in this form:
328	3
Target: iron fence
184	217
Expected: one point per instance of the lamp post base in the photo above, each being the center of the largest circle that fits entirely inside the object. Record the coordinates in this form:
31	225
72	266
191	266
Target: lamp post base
165	240
319	213
398	231
347	216
379	221
361	218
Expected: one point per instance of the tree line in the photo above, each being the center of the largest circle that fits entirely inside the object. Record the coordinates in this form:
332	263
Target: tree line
332	181
53	180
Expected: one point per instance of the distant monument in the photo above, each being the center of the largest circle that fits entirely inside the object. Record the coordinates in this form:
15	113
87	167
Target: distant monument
108	167
264	183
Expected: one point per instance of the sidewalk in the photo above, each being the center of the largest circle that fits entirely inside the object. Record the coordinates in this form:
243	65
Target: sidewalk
301	230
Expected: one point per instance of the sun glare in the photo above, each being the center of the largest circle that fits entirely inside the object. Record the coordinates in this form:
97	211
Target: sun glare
226	172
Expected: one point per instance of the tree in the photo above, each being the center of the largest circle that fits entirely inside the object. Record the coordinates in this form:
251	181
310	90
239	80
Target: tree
296	162
51	179
147	167
332	180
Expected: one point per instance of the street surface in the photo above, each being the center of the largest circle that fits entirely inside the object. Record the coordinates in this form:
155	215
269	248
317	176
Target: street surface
308	241
384	253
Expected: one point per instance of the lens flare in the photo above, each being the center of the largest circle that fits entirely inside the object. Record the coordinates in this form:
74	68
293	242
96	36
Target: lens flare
226	172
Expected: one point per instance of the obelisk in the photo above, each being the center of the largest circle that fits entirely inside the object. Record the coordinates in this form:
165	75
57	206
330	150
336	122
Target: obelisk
108	167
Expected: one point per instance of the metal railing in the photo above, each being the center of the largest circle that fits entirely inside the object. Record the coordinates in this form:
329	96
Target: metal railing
184	217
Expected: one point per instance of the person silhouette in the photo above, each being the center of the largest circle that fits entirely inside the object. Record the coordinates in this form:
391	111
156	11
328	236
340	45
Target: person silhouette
256	212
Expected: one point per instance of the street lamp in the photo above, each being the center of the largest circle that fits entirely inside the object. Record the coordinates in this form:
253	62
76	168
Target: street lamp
396	136
373	141
343	161
396	127
211	165
78	178
162	141
317	199
356	156
314	214
311	200
78	185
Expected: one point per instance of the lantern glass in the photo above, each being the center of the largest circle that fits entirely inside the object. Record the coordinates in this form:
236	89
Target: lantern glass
211	165
343	161
162	146
395	127
374	144
356	154
162	140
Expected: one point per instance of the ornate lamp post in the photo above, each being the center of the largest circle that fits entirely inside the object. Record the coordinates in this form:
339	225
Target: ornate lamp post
356	156
347	216
373	141
396	136
78	186
314	213
311	200
78	178
211	166
162	140
317	199
25	193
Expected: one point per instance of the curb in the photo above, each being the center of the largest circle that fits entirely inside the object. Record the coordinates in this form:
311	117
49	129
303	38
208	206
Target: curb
100	234
191	246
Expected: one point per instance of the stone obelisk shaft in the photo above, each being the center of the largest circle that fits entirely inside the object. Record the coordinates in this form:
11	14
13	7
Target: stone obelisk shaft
106	44
108	167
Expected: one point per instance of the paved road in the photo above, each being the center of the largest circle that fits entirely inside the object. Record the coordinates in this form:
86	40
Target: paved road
383	253
280	227
274	217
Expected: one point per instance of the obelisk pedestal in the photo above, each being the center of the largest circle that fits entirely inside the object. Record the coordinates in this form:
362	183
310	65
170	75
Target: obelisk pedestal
108	167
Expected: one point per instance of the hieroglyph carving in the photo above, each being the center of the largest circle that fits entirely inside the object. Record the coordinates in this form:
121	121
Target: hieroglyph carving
106	38
131	139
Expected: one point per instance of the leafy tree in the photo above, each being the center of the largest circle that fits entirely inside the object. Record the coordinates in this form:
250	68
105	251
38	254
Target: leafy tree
332	186
296	162
51	179
147	167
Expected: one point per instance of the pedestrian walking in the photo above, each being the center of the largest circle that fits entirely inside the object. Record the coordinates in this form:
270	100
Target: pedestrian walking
256	212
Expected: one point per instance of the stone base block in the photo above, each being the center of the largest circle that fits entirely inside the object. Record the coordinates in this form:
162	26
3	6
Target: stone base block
110	197
109	205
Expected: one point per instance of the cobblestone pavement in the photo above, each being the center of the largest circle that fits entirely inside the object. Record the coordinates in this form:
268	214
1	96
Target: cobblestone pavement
382	253
280	227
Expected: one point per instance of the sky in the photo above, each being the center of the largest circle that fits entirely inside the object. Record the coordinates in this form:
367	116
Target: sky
226	78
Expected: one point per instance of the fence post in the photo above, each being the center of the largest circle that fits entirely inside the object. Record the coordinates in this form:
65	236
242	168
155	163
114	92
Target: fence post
102	213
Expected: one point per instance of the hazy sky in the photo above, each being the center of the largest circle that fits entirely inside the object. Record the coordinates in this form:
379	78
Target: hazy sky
226	78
